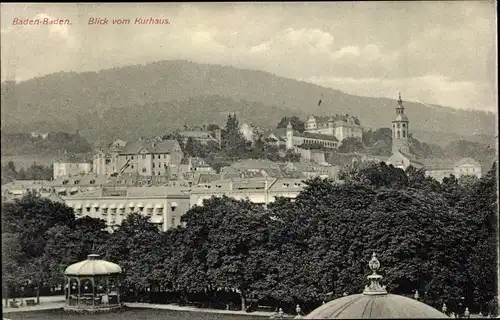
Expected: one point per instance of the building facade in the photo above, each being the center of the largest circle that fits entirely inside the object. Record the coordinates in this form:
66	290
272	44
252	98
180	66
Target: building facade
70	169
163	205
464	167
295	139
257	190
339	126
143	158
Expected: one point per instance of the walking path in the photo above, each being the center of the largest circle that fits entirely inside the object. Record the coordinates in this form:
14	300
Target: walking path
175	307
57	302
46	303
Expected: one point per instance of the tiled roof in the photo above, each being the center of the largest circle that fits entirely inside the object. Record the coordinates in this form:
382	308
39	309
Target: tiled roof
256	164
196	134
280	132
439	164
467	161
166	146
412	157
323	119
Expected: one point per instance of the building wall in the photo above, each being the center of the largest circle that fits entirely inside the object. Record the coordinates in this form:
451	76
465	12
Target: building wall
324	130
439	174
400	131
255	196
66	169
297	141
347	131
467	169
114	210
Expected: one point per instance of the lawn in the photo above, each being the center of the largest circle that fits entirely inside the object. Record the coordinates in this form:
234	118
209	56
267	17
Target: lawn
129	314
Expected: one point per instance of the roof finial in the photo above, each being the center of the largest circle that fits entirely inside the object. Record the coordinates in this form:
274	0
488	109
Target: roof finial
400	101
374	288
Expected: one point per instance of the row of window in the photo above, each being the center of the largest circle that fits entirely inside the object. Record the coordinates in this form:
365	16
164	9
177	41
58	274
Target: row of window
144	156
324	143
119	210
77	182
113	221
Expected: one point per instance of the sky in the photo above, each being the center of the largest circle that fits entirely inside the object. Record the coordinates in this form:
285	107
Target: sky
433	52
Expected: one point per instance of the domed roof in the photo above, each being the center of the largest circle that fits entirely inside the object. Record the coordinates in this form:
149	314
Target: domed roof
92	267
375	303
388	306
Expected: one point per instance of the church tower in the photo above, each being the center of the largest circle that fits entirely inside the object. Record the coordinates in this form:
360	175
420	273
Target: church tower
289	136
400	130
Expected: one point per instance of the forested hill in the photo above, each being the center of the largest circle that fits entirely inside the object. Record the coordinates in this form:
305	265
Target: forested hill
164	95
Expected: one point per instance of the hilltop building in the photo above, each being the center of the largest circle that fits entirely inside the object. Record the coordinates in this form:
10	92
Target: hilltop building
339	126
295	139
201	135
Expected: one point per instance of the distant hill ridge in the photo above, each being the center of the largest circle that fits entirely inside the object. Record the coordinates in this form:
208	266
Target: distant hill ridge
158	97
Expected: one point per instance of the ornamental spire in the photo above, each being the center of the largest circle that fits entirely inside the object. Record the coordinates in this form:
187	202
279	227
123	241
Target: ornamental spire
374	288
400	101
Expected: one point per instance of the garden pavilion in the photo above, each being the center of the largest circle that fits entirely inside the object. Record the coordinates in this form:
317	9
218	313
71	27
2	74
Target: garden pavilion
92	285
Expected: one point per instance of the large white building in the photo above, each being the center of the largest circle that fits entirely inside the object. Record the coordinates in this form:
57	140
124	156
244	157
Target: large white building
163	205
339	126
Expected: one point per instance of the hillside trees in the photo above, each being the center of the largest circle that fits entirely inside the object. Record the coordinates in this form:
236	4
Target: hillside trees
350	145
297	124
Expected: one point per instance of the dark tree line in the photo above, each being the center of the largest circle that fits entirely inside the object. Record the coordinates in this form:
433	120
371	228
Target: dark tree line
54	143
437	238
34	172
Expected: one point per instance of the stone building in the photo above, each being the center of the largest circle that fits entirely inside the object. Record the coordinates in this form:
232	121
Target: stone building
339	126
143	158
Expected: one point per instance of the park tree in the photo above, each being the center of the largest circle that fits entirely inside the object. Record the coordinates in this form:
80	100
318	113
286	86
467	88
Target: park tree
335	228
374	174
478	207
136	246
11	256
418	180
30	217
224	239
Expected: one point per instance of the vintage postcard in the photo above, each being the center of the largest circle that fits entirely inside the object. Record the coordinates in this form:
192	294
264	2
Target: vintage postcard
315	160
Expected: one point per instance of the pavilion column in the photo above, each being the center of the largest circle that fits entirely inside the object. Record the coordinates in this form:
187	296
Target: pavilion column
78	298
118	288
67	291
107	288
93	292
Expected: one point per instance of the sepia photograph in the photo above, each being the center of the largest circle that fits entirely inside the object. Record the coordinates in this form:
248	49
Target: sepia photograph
249	160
